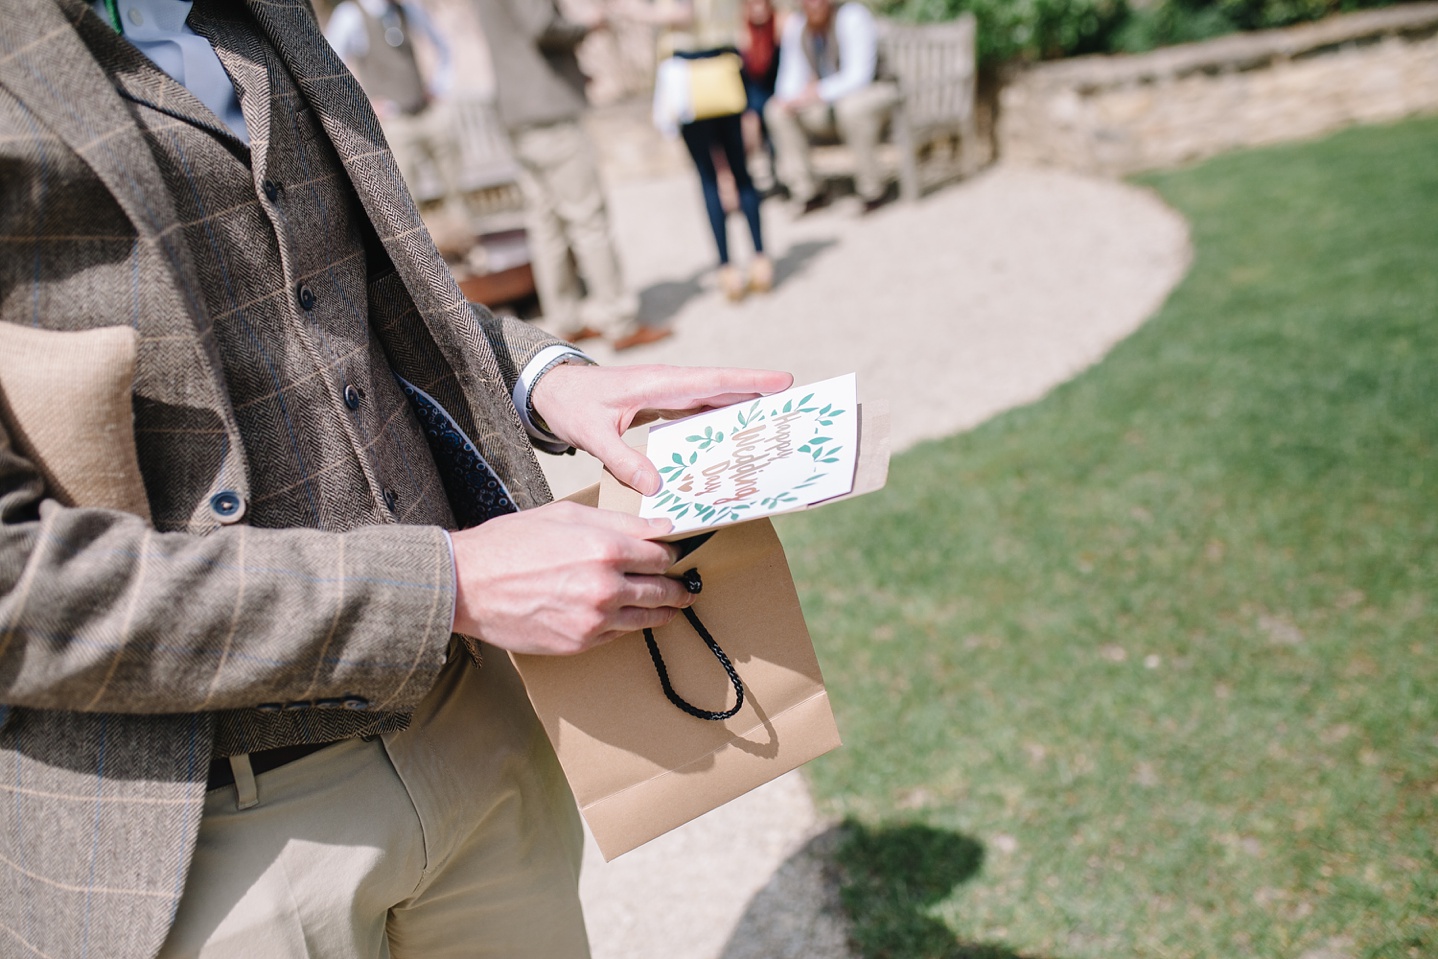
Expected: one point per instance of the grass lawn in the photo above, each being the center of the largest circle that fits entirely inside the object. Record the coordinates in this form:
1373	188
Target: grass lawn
1150	668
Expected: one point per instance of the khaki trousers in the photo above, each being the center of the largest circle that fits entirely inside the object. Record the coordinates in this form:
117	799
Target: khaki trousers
857	120
456	837
567	214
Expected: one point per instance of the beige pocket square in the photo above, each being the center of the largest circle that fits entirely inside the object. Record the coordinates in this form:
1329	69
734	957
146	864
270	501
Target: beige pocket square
65	400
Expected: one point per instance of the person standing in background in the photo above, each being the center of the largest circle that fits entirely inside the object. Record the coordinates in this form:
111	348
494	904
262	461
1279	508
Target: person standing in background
828	59
375	39
760	50
694	30
540	92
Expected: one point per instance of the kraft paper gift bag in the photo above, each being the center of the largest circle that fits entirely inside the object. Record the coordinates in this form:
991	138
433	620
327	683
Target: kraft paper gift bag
639	765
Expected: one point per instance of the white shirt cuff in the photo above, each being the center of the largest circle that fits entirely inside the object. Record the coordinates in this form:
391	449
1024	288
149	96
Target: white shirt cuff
543	361
454	572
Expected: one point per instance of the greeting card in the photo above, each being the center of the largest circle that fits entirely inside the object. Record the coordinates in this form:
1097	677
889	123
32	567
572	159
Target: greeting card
778	453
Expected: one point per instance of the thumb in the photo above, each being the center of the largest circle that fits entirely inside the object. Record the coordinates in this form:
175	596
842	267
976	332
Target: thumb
628	465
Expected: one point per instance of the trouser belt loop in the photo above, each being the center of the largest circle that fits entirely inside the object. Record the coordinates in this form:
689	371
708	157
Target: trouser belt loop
247	793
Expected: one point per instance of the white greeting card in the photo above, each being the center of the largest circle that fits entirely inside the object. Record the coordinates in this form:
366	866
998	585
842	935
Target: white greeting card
777	453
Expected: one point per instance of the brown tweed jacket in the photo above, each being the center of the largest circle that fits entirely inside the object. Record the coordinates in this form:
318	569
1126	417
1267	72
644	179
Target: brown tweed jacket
120	638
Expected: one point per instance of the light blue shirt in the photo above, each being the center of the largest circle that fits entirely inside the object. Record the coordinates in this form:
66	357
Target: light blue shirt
157	29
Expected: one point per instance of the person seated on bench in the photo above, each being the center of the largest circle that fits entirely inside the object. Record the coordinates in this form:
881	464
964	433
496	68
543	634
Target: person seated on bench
826	86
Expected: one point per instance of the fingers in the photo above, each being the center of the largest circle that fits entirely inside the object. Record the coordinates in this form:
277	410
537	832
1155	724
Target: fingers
631	619
624	523
653	602
655	592
687	388
628	465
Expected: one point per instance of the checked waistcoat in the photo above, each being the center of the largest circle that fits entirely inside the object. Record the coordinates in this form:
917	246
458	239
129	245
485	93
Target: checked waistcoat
331	441
294	583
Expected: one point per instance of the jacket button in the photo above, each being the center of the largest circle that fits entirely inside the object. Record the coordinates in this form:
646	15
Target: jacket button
356	702
306	297
291	707
328	703
352	396
228	506
269	707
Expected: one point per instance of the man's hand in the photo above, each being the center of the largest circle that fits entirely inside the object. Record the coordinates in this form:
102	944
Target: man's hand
805	99
563	578
590	407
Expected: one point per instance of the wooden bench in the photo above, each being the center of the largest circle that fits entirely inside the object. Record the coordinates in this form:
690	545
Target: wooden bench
488	171
931	130
489	181
935	66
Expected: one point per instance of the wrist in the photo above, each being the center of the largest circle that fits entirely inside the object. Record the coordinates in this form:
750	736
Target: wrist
525	389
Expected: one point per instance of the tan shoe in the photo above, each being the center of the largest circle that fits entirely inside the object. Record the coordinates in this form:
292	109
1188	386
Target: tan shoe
642	337
731	281
580	335
761	275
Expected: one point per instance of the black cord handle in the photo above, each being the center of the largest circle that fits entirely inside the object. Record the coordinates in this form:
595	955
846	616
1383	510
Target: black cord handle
694	584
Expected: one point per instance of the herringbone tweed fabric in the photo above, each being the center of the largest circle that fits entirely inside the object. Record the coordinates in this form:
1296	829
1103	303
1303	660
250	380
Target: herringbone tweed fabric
123	202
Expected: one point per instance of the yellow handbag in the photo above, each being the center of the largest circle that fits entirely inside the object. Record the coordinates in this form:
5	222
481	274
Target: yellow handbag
716	86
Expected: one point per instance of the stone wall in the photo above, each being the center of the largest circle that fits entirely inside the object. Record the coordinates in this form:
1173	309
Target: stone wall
1122	114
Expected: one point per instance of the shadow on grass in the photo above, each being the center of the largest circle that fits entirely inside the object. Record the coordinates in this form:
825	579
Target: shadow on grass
891	876
661	302
866	893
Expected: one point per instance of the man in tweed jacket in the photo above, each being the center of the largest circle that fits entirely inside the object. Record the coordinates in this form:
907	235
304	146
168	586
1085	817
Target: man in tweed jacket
307	406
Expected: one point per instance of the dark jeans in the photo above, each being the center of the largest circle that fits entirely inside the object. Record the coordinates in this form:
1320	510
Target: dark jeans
759	93
702	137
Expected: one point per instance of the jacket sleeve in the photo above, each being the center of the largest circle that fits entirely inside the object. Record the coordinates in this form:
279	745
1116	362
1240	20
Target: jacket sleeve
100	612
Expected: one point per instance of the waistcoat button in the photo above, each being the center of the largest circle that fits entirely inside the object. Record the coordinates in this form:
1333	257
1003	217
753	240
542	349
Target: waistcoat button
272	190
352	396
306	296
391	500
228	506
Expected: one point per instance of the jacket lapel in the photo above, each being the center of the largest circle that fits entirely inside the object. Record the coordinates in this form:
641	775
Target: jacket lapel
138	79
247	62
345	113
46	64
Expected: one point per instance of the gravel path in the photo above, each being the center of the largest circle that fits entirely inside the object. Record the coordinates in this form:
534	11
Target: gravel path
980	298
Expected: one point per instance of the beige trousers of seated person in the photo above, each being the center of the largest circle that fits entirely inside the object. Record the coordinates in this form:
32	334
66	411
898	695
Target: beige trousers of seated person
456	837
857	120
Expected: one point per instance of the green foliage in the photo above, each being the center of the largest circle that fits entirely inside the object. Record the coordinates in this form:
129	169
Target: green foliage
1049	29
1153	660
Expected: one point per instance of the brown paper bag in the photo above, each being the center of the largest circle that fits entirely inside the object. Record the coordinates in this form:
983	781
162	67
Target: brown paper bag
638	765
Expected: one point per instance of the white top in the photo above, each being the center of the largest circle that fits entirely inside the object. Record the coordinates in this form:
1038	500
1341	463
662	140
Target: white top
858	39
